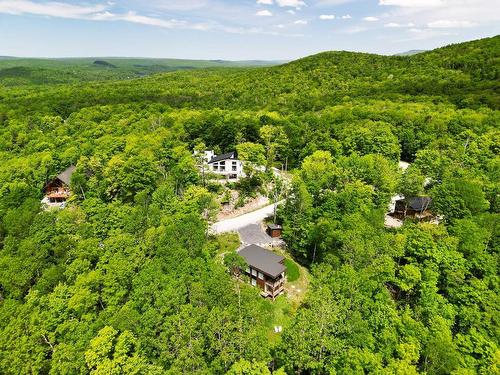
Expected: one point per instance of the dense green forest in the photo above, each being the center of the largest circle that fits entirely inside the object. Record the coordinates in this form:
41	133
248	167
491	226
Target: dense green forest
127	278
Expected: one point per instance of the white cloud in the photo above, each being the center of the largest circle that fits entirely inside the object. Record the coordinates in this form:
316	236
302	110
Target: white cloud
370	19
423	34
300	22
446	14
398	25
264	13
265	2
144	20
346	17
51	9
99	12
291	11
327	17
412	3
449	24
184	5
104	13
297	4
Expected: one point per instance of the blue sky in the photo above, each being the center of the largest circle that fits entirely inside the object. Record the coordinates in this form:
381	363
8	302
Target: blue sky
238	29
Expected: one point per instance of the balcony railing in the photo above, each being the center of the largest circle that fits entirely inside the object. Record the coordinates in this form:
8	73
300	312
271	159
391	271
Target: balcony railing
276	287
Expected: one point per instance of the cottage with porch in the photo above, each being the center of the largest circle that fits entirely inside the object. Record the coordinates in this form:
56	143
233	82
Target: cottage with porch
265	270
415	207
57	191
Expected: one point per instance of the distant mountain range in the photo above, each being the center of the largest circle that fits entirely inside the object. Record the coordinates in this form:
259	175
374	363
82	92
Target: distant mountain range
411	52
19	71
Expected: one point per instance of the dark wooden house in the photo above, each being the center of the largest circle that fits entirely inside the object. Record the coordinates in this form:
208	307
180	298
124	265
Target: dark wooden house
274	230
416	207
57	190
265	269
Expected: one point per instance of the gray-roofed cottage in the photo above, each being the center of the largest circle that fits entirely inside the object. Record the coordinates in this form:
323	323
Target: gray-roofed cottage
265	269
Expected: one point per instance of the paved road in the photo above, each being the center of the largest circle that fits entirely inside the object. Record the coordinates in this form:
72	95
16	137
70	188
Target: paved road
253	234
236	223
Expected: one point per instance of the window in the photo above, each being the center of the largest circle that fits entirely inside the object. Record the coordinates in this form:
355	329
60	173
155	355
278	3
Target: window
254	272
254	282
261	276
248	270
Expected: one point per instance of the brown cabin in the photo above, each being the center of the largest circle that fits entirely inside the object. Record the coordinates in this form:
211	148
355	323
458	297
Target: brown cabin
416	207
265	269
57	190
274	230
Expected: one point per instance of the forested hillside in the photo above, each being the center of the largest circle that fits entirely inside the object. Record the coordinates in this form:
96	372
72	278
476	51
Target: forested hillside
127	279
23	71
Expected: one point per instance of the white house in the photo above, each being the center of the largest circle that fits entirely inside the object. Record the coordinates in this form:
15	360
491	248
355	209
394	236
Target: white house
226	165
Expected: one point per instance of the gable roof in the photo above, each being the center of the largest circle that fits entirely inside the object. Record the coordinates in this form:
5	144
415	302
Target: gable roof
228	155
418	203
264	260
65	176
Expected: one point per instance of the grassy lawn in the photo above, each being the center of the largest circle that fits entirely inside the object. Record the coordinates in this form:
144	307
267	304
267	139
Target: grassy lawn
227	242
281	313
292	270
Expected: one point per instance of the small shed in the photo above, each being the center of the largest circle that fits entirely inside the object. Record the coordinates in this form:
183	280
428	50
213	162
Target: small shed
274	230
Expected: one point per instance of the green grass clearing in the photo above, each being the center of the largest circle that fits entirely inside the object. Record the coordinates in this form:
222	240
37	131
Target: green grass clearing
292	270
281	314
225	243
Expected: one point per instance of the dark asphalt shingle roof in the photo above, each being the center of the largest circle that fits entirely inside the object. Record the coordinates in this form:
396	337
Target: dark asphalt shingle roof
263	260
65	176
229	155
418	203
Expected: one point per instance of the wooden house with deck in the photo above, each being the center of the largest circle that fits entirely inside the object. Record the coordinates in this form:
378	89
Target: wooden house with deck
415	207
57	191
265	270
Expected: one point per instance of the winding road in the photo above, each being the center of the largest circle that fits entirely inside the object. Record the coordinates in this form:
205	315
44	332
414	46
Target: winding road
236	223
